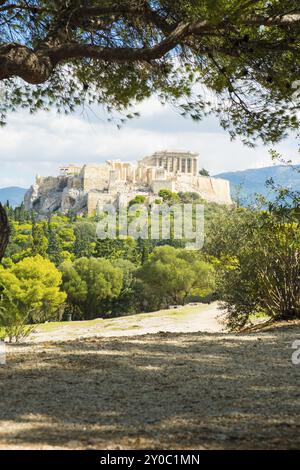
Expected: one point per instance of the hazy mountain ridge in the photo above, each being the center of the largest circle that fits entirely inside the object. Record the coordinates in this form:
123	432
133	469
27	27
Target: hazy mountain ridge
254	180
13	194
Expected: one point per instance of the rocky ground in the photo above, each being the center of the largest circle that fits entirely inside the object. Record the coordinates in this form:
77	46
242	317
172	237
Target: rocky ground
159	391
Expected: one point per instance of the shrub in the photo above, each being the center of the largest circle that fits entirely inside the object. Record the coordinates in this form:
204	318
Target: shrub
139	199
29	293
169	196
264	276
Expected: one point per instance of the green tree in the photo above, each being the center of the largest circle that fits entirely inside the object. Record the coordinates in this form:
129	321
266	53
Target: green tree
227	230
113	249
85	239
21	241
61	237
265	272
171	274
190	197
203	172
39	239
29	293
9	209
118	53
54	249
144	248
168	196
90	281
137	200
20	214
128	299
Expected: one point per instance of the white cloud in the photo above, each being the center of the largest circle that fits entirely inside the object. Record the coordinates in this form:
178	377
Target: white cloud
41	143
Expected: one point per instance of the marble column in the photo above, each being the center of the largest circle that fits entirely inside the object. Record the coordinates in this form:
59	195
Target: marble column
195	166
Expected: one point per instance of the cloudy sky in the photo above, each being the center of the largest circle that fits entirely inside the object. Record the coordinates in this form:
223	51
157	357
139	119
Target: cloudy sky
39	144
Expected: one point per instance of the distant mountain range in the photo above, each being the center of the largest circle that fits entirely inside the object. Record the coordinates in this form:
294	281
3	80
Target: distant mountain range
13	194
248	182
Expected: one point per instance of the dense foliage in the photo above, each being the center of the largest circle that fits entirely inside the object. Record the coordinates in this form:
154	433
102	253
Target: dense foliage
249	261
89	281
29	293
172	274
258	252
264	276
237	59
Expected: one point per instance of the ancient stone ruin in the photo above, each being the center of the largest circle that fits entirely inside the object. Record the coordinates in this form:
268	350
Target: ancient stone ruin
82	189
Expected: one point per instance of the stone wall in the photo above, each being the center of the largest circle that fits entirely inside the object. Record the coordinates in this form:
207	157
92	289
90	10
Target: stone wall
210	189
221	190
163	184
95	198
95	177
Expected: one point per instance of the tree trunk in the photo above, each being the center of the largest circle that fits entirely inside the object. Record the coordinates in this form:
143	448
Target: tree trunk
4	231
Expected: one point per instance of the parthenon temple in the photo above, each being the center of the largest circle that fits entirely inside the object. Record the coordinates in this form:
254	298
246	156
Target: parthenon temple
174	162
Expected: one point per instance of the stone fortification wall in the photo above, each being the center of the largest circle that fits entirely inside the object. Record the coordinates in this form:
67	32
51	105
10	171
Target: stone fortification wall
95	198
163	184
210	189
95	177
221	189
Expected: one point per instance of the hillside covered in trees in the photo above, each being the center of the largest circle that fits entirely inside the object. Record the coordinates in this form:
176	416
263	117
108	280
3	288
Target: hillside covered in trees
58	267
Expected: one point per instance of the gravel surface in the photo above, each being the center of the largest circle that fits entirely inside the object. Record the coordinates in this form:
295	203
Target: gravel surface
162	391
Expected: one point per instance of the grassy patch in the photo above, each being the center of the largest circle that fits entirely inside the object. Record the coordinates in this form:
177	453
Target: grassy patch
52	326
259	316
120	323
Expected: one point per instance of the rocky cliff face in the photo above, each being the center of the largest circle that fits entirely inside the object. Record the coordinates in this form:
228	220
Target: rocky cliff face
55	194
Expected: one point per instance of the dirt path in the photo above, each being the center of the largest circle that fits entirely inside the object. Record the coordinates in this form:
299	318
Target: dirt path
160	391
190	318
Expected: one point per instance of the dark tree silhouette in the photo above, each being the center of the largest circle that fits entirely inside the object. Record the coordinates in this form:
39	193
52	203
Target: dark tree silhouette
4	231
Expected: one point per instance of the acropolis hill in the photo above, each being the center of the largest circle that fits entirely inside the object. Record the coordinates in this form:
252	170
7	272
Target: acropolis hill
84	188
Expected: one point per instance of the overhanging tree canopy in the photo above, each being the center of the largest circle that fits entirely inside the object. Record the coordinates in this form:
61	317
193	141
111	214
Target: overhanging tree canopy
67	53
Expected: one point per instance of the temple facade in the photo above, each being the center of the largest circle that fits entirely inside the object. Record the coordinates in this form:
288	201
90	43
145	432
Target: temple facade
173	162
